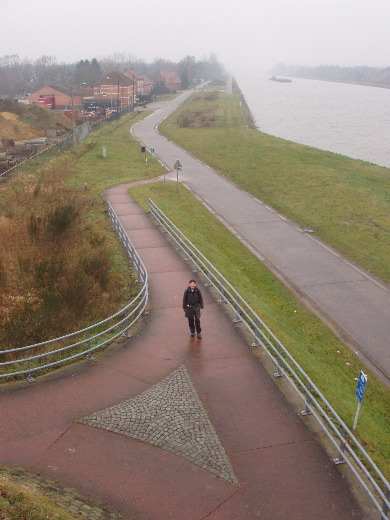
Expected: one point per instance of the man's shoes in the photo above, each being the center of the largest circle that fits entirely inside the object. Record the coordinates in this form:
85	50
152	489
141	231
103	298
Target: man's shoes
192	333
199	335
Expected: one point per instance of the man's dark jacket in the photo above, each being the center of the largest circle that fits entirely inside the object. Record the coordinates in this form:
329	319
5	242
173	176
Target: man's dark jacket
192	302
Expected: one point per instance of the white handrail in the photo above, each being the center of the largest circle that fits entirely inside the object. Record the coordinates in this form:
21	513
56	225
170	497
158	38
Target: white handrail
91	338
351	452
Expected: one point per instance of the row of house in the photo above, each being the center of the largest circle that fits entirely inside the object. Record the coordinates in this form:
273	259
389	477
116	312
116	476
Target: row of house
113	91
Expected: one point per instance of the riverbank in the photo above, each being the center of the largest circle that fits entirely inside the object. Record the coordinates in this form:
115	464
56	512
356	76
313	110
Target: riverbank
343	201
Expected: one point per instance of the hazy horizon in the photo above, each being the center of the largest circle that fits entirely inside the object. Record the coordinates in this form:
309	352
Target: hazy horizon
254	33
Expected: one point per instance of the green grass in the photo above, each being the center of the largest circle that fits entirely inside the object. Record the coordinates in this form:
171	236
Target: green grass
308	340
346	202
124	161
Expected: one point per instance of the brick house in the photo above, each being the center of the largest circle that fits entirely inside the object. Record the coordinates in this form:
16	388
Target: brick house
137	79
170	79
148	84
144	84
57	98
115	90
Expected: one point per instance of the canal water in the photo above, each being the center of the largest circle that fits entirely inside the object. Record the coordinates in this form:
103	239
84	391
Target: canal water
351	120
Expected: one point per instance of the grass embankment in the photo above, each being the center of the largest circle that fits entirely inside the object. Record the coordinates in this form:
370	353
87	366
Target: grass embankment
331	365
61	267
21	502
345	201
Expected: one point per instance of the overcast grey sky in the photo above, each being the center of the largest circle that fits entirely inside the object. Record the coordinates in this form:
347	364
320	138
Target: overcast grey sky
258	33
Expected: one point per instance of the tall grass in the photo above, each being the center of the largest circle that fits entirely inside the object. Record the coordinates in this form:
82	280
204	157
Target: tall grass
61	266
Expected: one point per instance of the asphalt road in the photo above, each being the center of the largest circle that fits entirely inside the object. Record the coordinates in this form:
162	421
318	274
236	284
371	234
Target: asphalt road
353	303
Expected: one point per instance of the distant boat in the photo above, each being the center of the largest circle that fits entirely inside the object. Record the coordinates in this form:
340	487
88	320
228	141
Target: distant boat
281	80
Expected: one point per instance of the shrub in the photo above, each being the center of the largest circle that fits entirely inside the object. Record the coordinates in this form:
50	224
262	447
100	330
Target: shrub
97	265
76	295
185	120
60	219
48	270
33	226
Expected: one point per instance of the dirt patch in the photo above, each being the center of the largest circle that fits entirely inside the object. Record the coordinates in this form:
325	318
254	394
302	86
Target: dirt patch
19	121
11	127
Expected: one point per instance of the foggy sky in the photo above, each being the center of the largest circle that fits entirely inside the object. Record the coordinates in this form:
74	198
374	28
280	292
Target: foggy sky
259	33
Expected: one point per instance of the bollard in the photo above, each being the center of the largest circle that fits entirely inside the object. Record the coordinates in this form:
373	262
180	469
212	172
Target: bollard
104	151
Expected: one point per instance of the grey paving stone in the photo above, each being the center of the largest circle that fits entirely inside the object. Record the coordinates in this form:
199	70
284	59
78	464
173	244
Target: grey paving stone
171	416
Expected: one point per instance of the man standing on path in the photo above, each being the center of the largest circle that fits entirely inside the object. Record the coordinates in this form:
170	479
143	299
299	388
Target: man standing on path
192	304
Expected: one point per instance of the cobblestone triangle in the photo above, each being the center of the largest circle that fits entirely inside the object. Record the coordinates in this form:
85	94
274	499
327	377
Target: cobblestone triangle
171	416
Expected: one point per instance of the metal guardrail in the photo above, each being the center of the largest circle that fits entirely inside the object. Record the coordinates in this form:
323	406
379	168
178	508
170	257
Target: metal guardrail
82	343
348	448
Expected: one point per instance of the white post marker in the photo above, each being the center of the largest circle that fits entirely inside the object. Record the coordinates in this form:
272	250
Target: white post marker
361	386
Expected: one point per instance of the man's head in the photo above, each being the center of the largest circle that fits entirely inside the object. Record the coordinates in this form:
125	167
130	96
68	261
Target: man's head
192	284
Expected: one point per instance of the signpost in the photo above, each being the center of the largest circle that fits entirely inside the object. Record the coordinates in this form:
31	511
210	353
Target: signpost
361	386
143	150
177	167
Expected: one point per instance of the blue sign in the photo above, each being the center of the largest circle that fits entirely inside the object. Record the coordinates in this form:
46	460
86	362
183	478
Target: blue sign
361	386
152	150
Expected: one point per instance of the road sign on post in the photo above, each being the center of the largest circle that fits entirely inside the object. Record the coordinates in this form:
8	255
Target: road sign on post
177	167
360	388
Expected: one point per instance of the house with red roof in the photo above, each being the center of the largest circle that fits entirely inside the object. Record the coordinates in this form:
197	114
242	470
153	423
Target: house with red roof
170	79
115	90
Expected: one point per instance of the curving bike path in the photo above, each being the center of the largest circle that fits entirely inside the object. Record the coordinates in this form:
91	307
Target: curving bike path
353	303
166	426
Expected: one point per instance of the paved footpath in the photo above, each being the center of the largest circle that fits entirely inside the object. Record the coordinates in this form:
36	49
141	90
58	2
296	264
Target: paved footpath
168	427
352	302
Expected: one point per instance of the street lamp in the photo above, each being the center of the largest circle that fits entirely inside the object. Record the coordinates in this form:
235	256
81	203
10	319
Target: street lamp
73	122
117	99
108	77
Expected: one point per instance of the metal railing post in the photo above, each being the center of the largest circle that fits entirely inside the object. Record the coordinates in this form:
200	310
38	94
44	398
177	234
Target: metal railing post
29	377
126	332
385	509
279	372
340	459
307	410
89	355
237	309
222	292
256	334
